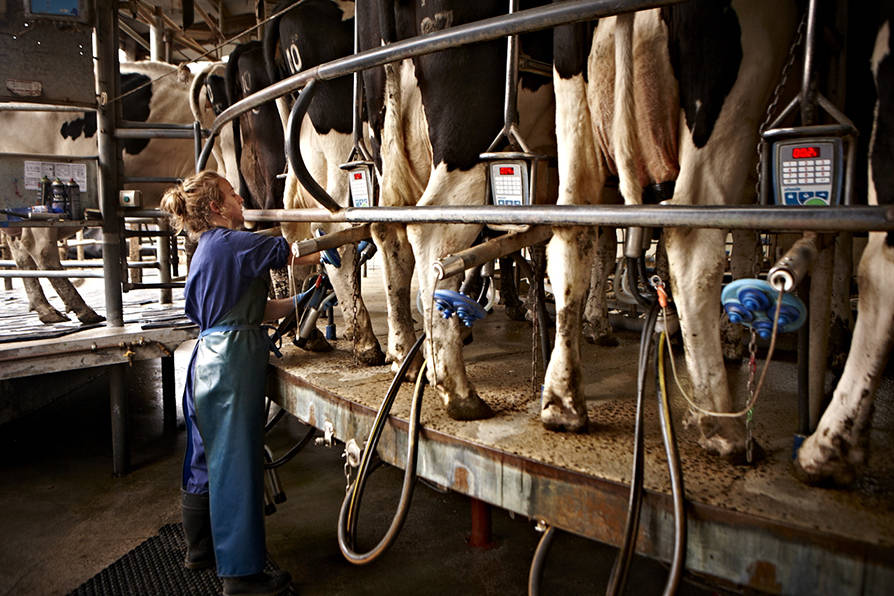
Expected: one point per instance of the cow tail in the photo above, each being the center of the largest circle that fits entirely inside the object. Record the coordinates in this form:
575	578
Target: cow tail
270	43
624	137
401	181
198	84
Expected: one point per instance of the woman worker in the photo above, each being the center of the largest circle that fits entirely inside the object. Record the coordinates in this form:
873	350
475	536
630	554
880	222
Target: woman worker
223	402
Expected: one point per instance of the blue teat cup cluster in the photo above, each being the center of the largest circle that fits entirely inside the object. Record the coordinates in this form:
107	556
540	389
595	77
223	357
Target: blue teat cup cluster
449	303
752	302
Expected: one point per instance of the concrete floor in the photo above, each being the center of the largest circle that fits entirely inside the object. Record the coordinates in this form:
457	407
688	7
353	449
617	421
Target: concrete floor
64	517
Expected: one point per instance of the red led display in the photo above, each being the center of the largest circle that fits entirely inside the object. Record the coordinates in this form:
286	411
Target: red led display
358	176
805	152
507	171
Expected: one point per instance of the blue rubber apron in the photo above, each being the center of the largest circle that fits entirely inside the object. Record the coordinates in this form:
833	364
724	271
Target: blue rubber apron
229	372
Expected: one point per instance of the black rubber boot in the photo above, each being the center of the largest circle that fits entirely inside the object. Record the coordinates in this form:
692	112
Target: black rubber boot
197	529
259	584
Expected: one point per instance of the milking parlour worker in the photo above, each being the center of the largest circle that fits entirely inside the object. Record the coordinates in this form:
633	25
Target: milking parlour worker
223	403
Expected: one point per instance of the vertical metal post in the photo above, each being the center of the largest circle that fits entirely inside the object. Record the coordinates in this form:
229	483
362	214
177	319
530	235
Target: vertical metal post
118	409
481	536
168	397
510	111
5	254
808	83
107	86
156	36
164	261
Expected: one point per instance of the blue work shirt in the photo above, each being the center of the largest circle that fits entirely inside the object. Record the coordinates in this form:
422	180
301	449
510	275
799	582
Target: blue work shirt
224	264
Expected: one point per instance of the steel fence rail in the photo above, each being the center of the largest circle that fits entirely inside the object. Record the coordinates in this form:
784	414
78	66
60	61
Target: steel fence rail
782	218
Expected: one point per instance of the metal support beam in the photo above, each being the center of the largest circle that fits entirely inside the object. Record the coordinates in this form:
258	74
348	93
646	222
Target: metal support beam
107	85
168	398
156	36
118	409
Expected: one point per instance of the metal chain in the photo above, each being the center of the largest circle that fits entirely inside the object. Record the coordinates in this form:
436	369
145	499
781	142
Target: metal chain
355	296
749	417
777	92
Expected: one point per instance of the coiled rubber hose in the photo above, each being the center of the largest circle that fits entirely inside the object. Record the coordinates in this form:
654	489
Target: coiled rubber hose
350	507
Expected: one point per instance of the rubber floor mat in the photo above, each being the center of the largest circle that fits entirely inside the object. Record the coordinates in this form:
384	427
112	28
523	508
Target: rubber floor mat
155	567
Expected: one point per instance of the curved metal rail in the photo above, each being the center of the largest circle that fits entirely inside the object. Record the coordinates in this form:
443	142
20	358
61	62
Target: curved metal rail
524	21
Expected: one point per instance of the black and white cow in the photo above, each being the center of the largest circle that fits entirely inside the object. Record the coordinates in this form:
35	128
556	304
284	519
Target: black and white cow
258	139
673	94
162	96
207	99
311	33
837	449
431	117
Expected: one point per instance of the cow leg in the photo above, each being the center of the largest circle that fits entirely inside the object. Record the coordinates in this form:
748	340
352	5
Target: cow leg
358	326
42	247
837	449
37	300
562	405
397	263
447	370
696	259
569	255
596	328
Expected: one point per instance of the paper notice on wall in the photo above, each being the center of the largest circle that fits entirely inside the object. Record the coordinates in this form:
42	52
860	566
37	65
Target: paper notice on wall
35	170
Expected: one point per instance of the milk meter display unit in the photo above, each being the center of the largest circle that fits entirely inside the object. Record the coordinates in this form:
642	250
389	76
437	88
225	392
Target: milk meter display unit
361	186
808	171
509	183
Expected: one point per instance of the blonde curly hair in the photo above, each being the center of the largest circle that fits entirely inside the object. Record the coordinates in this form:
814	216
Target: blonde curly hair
189	203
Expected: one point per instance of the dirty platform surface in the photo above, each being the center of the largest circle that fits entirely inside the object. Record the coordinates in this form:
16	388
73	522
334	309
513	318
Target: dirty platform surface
754	525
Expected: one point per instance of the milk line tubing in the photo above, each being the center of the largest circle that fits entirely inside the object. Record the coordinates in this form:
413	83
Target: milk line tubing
544	17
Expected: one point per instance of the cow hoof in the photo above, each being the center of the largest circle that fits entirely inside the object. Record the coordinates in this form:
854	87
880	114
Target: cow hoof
606	340
469	408
412	370
817	465
559	419
52	316
515	312
317	342
600	337
724	437
373	356
90	318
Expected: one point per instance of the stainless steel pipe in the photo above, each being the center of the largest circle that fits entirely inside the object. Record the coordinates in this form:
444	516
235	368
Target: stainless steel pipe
788	272
782	218
488	251
330	241
51	273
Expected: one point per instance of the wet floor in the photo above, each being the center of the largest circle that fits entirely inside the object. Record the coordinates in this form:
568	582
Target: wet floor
64	517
